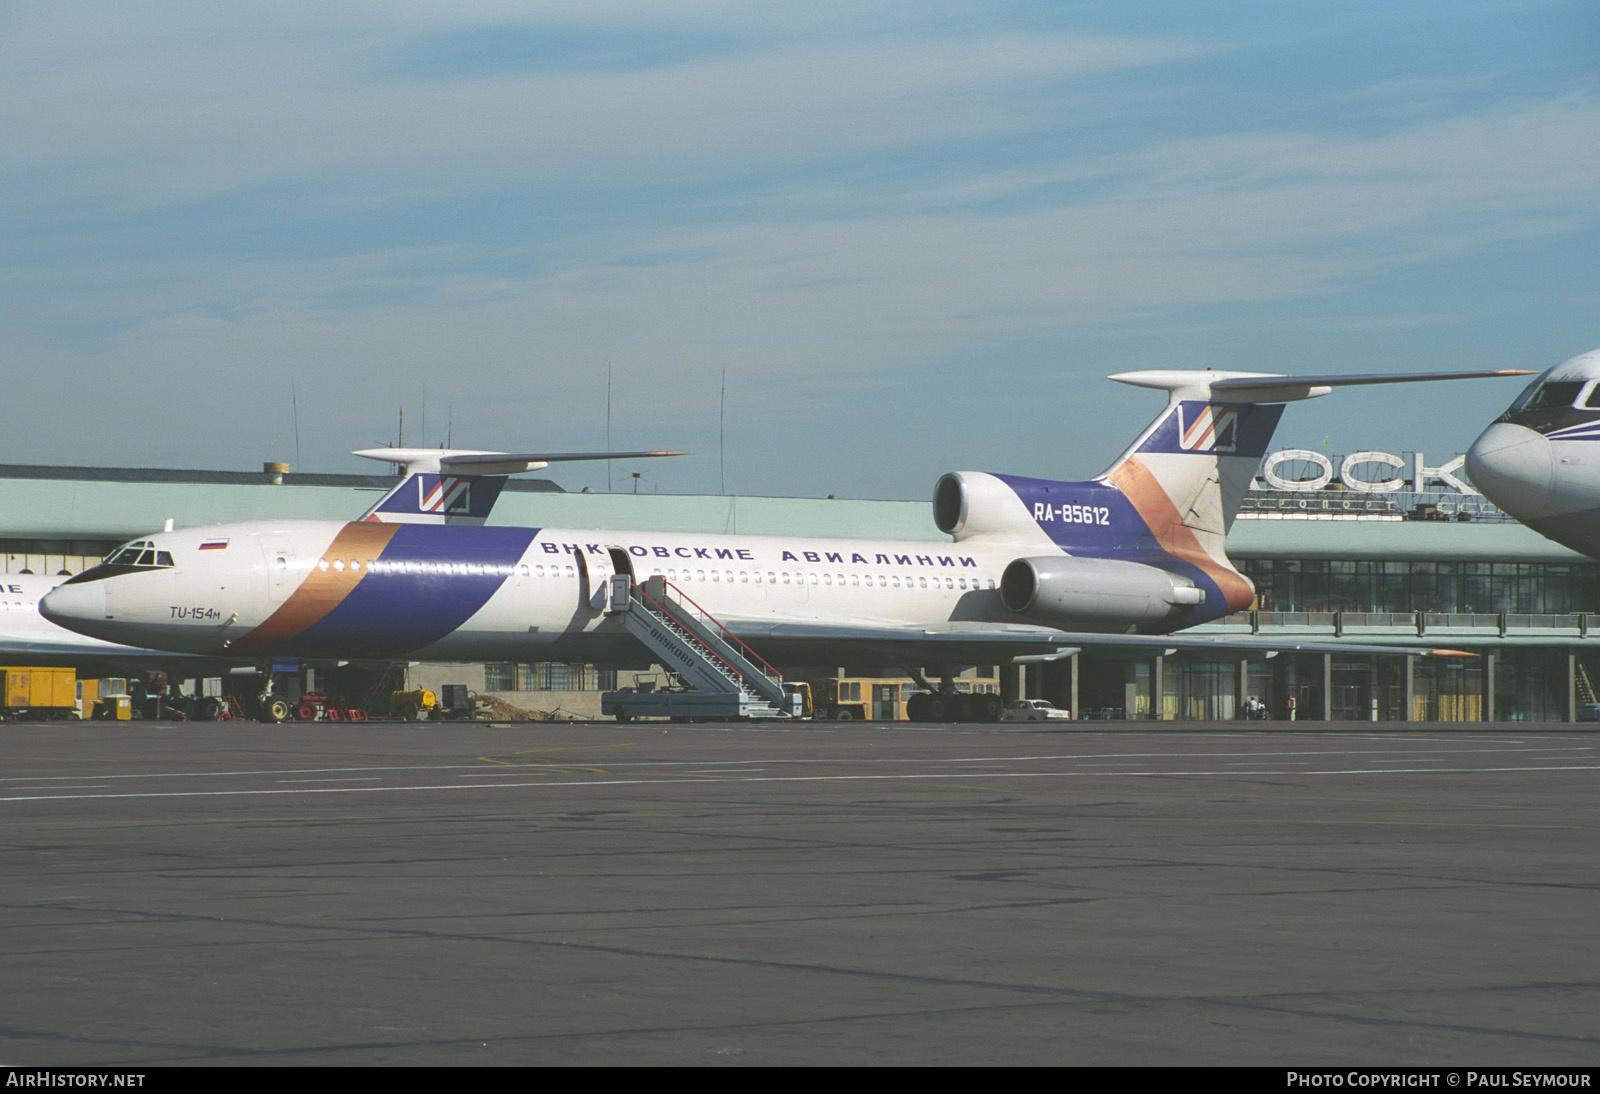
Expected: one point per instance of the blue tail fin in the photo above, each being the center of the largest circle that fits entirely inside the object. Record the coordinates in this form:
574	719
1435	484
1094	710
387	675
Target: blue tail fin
423	497
460	486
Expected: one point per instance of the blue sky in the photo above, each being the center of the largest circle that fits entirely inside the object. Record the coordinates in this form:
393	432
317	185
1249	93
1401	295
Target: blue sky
916	236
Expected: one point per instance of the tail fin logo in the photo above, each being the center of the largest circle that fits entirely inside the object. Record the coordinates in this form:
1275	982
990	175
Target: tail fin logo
1213	428
426	498
450	494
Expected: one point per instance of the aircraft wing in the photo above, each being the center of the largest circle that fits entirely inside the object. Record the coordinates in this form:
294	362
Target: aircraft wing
976	643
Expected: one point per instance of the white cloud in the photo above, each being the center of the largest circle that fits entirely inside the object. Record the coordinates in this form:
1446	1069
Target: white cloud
806	282
182	112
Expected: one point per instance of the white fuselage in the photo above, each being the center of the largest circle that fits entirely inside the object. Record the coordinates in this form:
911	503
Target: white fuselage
317	589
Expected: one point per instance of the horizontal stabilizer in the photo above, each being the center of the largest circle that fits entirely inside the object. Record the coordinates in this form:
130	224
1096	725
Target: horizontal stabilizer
1267	387
460	485
466	461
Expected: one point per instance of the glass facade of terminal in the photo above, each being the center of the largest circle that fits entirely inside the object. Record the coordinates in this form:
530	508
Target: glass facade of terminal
1523	684
1331	585
1525	627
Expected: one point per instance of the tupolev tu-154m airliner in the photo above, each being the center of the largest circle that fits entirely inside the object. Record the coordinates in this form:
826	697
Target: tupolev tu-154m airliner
1032	568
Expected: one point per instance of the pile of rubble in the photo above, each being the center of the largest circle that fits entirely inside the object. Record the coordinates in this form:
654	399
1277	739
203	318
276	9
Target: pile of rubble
498	710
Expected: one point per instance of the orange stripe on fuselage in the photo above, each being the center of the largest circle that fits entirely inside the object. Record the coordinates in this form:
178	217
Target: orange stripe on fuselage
1140	486
323	589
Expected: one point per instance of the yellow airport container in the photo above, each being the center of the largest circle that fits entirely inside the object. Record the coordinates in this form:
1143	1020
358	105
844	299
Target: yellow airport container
41	691
88	695
64	689
18	686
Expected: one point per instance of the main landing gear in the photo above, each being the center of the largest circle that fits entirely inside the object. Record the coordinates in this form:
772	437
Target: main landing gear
939	706
945	704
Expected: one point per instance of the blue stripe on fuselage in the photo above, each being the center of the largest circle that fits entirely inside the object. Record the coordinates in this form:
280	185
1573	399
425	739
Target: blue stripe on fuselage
431	579
1085	518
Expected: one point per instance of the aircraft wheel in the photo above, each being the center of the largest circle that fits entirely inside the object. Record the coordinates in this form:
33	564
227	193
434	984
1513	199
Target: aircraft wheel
939	708
991	708
275	709
917	707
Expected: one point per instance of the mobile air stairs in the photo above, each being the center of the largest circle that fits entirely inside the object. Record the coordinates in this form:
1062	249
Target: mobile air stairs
726	678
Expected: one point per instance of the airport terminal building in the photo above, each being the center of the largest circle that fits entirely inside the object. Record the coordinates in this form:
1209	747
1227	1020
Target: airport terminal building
1368	549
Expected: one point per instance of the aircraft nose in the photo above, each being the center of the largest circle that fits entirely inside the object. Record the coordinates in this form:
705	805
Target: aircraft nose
1513	467
74	606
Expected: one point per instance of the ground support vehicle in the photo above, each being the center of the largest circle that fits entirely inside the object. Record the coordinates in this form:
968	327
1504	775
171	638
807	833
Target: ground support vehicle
895	699
858	698
685	704
728	678
456	703
38	693
1035	710
315	706
416	705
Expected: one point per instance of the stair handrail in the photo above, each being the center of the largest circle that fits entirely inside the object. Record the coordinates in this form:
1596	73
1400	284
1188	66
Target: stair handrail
688	633
771	673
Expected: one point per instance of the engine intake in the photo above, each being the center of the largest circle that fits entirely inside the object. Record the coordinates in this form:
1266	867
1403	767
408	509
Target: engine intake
973	503
1095	592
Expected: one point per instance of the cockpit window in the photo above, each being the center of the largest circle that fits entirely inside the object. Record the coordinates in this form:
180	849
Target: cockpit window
1555	394
140	556
140	553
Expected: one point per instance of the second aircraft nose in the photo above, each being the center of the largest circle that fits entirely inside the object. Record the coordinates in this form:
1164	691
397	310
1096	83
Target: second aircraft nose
1513	467
74	606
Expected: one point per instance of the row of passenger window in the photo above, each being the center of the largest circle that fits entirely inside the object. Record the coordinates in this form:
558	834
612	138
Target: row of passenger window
729	577
882	581
379	566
